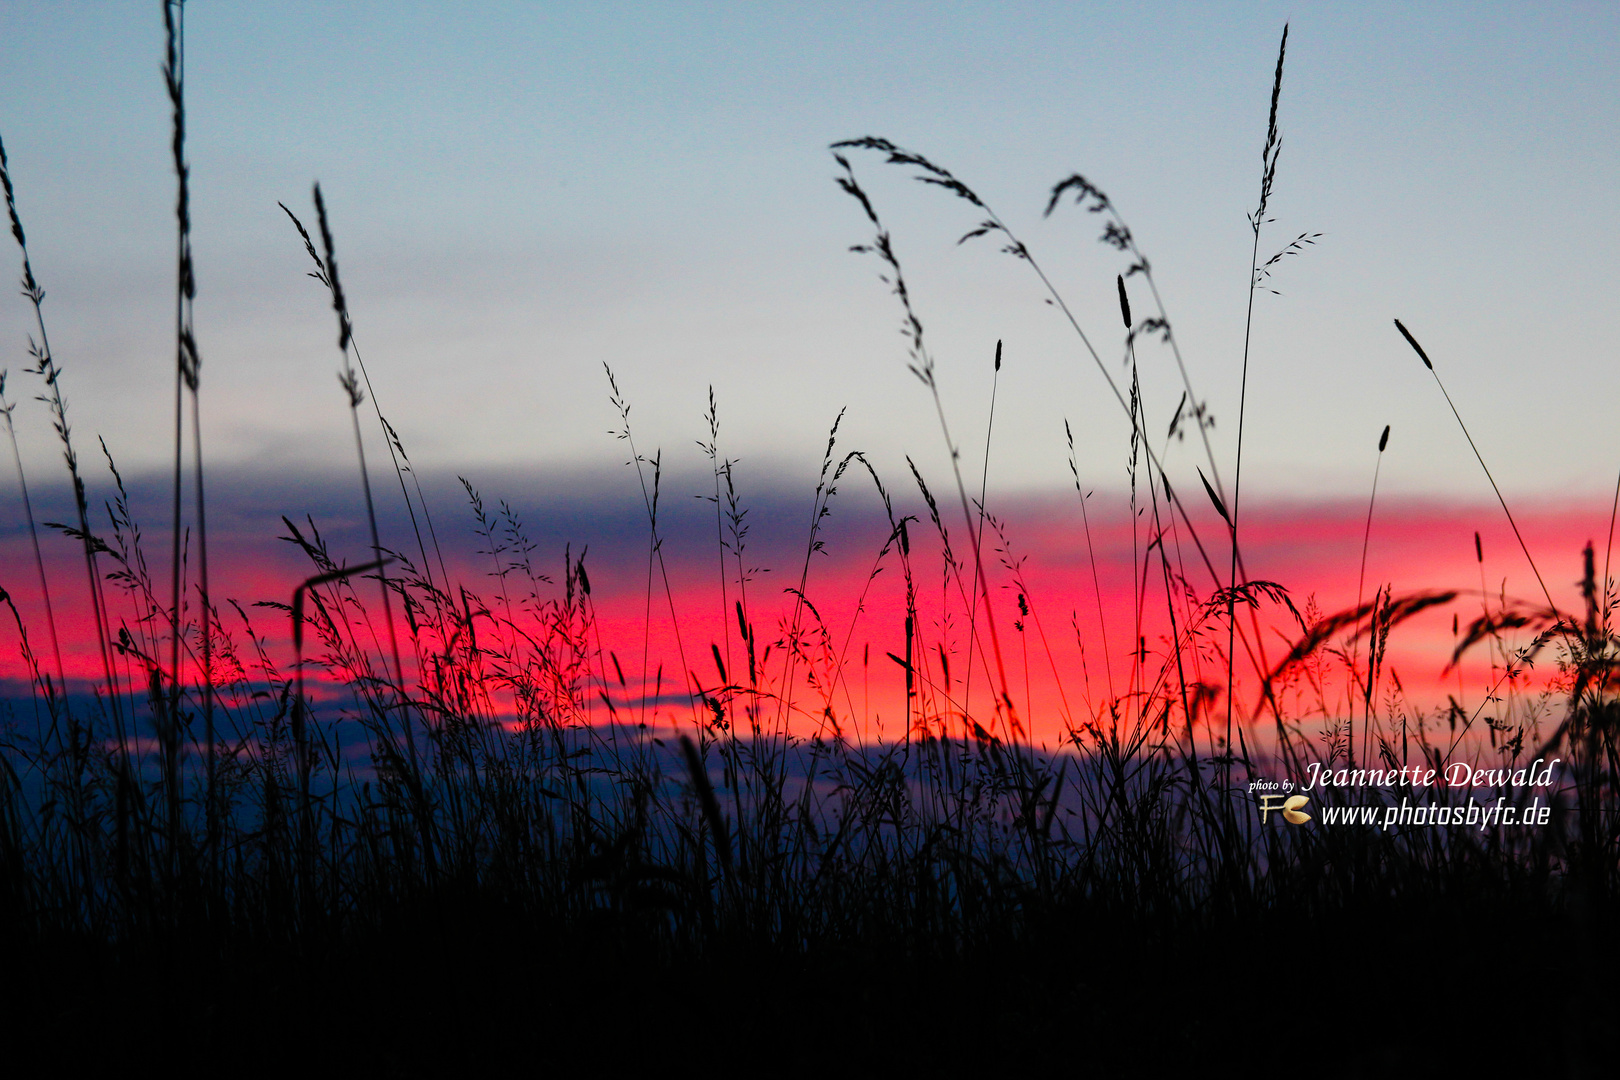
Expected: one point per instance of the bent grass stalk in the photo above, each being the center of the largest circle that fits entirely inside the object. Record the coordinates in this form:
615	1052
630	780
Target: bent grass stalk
922	366
396	448
1517	535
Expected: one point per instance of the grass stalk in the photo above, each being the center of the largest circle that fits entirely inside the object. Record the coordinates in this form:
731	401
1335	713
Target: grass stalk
984	483
1361	580
352	389
1268	160
188	366
46	367
1517	535
6	408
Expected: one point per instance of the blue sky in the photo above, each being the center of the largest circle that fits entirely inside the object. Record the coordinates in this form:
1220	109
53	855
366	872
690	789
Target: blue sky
523	192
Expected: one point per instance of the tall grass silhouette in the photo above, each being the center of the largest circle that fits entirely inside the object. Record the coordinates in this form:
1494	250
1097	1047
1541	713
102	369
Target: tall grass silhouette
571	839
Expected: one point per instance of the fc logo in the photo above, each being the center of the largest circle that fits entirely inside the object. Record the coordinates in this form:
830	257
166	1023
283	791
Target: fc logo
1289	807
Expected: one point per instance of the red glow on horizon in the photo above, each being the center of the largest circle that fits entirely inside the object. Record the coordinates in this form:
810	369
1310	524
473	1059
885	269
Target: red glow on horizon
835	658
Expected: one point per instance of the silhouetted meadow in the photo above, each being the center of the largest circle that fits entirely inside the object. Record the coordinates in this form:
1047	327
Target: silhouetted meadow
564	846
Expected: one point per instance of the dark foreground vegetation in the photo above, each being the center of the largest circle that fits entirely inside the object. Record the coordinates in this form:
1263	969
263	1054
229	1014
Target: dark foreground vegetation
524	855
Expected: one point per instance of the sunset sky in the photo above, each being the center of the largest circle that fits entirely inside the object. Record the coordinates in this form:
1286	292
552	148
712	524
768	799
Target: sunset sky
521	193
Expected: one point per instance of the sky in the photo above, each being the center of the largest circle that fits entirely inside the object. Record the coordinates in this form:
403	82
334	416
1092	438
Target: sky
521	194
